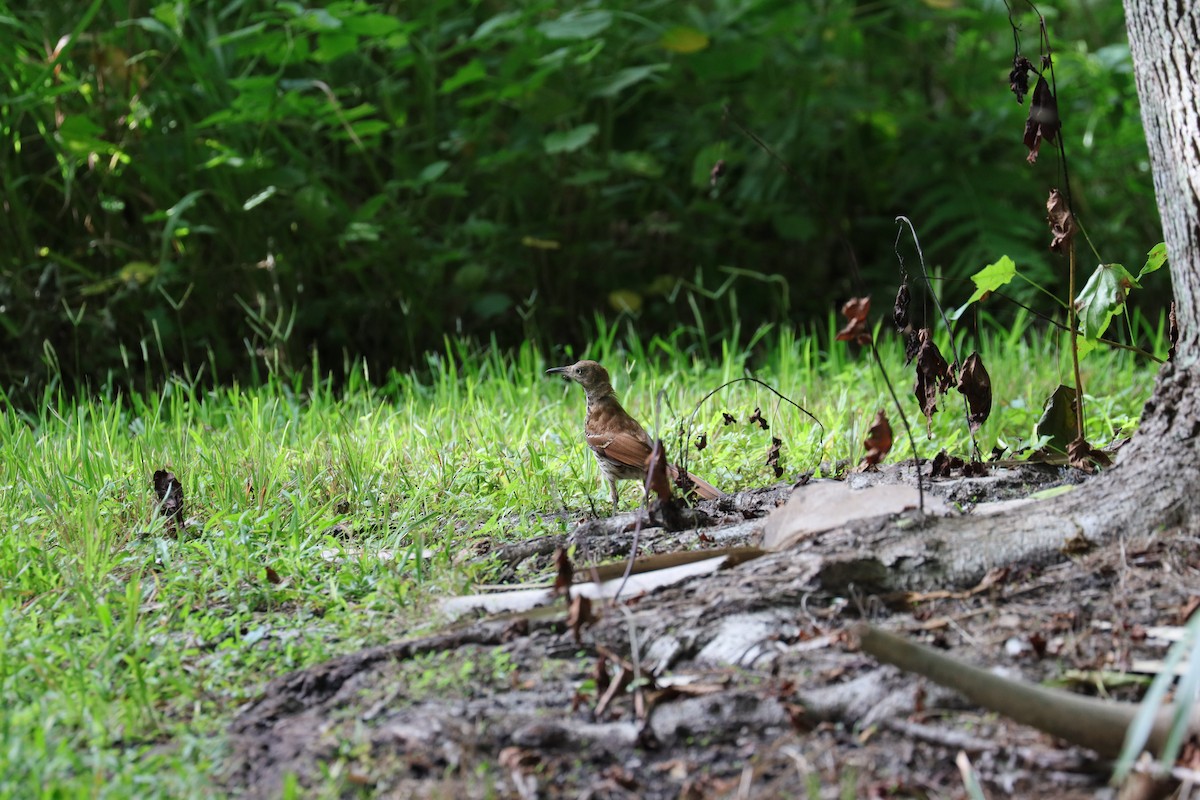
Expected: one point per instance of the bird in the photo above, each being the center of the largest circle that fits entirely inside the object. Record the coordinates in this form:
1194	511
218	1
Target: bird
619	443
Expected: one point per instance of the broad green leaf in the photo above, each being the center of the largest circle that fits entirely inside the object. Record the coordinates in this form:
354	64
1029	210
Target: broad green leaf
1154	259
637	162
333	45
505	19
575	25
1058	421
377	25
702	164
472	71
433	171
626	78
1103	297
682	39
992	277
572	140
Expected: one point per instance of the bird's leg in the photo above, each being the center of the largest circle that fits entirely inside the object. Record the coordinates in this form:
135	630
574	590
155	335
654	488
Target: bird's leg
612	483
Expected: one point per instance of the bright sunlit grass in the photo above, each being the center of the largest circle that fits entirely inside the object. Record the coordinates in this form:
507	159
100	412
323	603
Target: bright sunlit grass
125	647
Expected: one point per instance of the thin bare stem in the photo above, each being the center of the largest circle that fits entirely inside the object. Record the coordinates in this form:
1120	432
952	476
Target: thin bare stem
1074	326
945	320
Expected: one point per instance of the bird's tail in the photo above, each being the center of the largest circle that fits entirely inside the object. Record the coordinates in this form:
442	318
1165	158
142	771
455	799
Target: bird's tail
698	484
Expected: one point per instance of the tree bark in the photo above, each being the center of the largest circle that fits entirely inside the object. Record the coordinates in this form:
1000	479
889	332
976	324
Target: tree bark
1164	39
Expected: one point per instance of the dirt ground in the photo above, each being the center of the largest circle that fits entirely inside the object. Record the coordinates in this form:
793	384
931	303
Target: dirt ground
744	682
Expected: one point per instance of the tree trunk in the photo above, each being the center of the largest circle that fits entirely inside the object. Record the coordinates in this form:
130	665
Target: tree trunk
1164	38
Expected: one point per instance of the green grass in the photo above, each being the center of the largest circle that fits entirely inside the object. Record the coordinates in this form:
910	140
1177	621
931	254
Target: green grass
125	647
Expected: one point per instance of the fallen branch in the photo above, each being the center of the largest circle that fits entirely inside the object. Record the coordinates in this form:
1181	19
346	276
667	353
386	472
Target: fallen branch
1099	725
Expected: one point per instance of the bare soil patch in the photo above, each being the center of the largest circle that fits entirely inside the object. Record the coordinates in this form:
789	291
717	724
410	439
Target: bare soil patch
750	685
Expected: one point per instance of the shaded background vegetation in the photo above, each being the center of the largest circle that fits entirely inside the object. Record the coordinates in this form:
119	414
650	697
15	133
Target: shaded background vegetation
207	186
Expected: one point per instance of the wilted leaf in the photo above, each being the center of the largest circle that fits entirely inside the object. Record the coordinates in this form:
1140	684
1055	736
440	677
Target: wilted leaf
773	456
759	418
564	572
1018	78
974	382
933	376
855	311
912	343
580	615
943	464
728	418
878	441
169	492
1062	224
1154	259
1058	420
1102	298
1081	455
656	472
1043	122
682	39
702	441
900	309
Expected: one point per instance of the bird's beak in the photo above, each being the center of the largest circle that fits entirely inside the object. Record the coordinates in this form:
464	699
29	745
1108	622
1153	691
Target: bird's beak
557	371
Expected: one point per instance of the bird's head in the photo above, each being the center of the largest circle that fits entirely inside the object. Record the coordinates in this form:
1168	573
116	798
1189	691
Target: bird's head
588	374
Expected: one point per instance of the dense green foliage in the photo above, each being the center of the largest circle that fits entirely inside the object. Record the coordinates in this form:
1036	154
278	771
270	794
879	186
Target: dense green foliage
126	646
211	185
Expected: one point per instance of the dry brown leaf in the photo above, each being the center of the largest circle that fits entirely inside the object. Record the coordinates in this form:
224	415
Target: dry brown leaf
169	493
773	456
580	616
1082	455
565	573
900	309
974	382
933	376
656	472
1043	122
878	441
1018	78
1062	223
855	311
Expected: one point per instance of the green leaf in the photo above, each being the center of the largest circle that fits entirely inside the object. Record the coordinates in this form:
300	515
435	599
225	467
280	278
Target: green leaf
1154	259
572	140
992	277
576	25
1103	297
626	78
332	46
472	71
377	25
637	162
505	19
988	279
433	171
258	198
682	39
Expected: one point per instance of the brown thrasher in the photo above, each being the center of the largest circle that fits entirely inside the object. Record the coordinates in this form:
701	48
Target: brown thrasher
621	446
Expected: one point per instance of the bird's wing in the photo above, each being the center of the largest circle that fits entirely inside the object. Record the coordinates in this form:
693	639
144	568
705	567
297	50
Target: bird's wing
615	435
621	446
